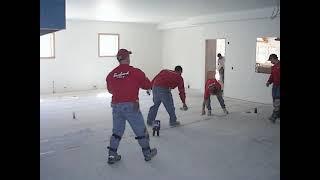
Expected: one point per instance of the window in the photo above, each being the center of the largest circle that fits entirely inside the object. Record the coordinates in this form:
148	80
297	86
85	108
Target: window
265	47
108	45
47	46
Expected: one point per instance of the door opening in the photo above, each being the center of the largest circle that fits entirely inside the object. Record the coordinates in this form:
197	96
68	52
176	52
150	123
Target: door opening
214	65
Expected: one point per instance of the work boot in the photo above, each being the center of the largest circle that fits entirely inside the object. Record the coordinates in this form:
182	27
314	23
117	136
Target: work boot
203	112
114	158
113	155
176	123
149	153
209	113
225	111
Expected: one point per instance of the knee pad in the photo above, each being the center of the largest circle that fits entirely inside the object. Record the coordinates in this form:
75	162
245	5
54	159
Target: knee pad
116	136
144	139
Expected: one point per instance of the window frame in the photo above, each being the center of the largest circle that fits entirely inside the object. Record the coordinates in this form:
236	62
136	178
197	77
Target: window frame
264	68
99	43
54	47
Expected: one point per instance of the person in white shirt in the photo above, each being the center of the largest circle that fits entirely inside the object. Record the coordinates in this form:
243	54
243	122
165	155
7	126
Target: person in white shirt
221	62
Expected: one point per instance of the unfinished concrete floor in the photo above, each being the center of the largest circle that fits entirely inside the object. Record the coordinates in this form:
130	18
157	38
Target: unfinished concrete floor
238	146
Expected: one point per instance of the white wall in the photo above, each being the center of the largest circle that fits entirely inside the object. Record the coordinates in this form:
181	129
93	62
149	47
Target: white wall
77	65
186	46
243	82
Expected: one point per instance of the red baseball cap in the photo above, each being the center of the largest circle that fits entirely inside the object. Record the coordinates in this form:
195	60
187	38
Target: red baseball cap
123	54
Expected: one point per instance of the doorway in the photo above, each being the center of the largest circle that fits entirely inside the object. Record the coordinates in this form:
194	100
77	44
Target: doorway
213	48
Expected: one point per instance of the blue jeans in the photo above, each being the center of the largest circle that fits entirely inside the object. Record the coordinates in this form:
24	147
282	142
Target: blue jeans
275	92
220	99
128	111
276	101
161	95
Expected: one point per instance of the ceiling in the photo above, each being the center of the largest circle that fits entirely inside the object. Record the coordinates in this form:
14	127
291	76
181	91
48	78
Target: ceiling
156	11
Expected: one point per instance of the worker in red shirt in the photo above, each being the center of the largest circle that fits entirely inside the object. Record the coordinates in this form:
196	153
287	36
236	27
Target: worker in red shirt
161	90
212	87
275	80
123	83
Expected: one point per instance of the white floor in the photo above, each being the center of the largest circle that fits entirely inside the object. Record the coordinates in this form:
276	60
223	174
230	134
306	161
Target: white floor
240	146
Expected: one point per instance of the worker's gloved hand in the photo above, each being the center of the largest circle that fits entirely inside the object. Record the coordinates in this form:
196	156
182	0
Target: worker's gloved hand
267	84
184	107
149	92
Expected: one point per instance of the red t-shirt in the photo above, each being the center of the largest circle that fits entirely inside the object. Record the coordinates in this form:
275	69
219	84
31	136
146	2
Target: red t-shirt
170	79
124	82
211	82
275	75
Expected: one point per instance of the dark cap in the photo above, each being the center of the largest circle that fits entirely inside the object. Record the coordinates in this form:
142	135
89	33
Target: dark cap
123	54
272	56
